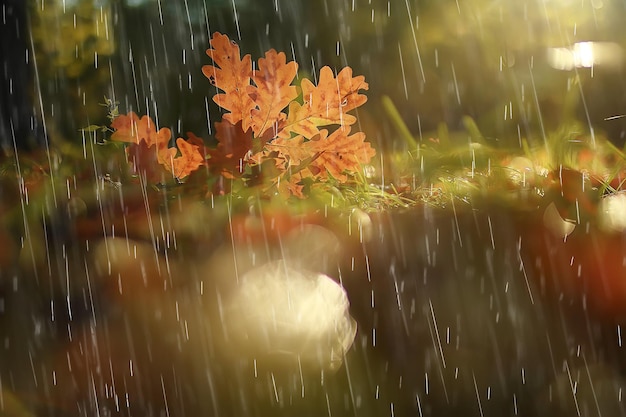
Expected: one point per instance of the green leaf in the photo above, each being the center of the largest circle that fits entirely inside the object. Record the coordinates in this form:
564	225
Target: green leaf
91	128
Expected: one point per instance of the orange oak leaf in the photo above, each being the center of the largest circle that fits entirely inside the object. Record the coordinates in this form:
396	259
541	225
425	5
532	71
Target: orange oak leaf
335	154
195	140
340	153
148	151
269	120
144	161
234	144
199	142
188	161
338	156
125	128
291	185
130	128
287	184
286	152
231	75
273	91
295	188
327	103
257	105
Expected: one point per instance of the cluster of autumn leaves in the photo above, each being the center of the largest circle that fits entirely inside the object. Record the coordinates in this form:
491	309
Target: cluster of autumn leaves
272	131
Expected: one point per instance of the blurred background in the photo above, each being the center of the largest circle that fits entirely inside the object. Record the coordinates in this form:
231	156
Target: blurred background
518	68
111	294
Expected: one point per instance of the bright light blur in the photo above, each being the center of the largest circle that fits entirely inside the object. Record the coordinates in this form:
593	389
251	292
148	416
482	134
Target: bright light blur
585	55
557	225
612	213
290	317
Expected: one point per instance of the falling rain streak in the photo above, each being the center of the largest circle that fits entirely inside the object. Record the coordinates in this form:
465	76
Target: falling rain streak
439	280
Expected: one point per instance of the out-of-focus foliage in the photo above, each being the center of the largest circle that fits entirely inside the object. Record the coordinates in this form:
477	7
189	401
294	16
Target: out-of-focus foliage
71	36
487	59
